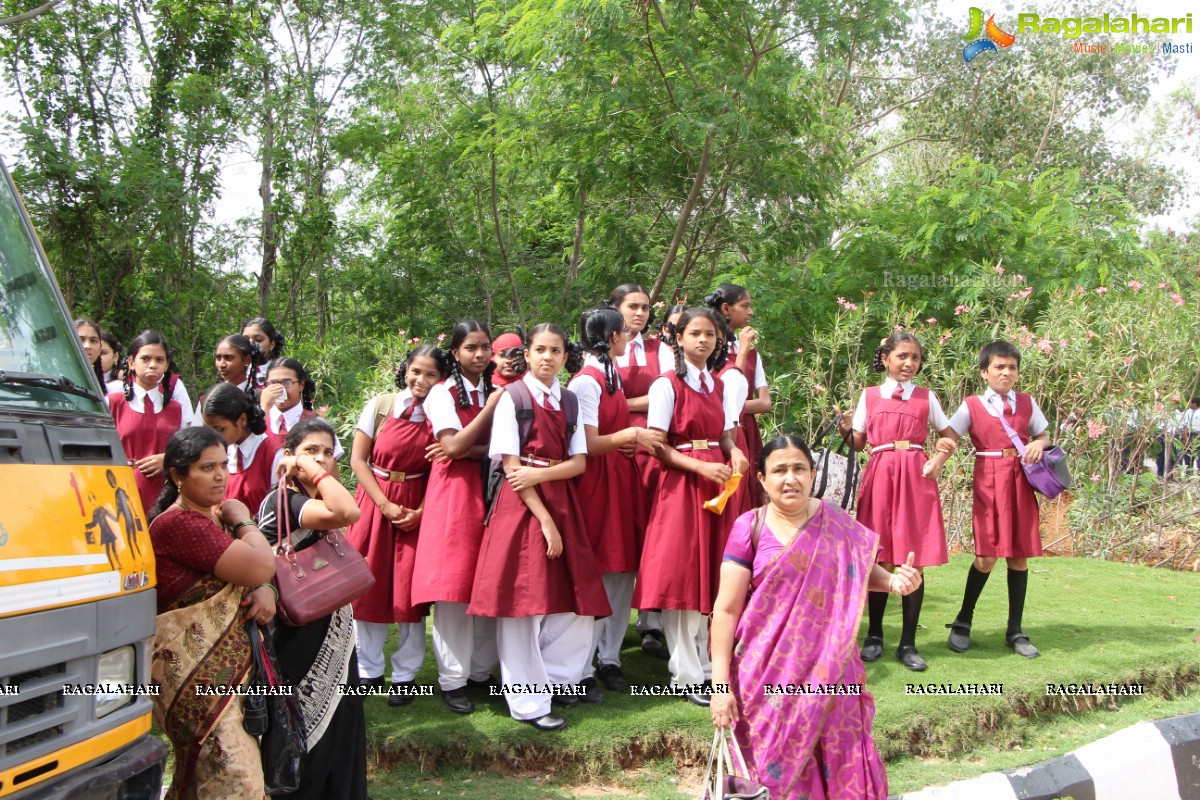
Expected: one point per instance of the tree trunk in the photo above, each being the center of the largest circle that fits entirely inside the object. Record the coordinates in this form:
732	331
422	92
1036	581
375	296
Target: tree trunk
684	216
270	242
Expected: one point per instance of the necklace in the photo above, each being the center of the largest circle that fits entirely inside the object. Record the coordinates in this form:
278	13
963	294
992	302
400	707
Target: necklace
796	529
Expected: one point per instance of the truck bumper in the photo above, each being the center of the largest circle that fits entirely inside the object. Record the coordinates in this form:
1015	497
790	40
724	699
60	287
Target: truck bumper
136	773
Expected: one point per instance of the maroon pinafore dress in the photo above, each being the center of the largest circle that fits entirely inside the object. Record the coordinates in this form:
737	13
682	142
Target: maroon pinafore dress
1004	511
254	481
143	435
635	382
514	577
609	493
399	446
681	559
749	426
895	500
453	524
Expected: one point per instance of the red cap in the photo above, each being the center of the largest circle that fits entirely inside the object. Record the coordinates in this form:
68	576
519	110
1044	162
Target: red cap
506	341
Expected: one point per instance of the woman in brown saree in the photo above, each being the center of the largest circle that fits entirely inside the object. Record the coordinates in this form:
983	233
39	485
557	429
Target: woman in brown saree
209	554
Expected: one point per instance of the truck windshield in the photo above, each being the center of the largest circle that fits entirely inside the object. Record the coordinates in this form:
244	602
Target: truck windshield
38	349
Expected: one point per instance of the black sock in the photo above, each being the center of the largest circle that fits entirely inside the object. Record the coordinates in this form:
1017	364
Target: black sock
975	583
1018	581
876	605
911	606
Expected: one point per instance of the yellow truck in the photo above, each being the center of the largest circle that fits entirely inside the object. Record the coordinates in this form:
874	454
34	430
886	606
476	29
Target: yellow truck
77	600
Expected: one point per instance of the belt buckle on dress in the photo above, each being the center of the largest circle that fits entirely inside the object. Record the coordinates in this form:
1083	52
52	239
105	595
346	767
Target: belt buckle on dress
397	477
699	444
1008	452
902	444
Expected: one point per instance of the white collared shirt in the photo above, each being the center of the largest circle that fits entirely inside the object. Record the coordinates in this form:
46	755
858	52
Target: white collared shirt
443	411
589	392
937	416
404	399
506	434
662	398
249	448
178	394
760	374
666	356
292	418
961	421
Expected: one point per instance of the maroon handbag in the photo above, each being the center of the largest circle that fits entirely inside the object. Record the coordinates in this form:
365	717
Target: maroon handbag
318	580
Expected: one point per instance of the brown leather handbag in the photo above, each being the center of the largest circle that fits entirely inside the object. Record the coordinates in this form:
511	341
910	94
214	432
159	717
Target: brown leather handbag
318	580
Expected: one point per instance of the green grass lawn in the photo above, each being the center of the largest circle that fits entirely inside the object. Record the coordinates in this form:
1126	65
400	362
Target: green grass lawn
1094	622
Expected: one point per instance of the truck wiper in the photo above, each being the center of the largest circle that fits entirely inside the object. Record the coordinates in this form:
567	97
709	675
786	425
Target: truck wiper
59	383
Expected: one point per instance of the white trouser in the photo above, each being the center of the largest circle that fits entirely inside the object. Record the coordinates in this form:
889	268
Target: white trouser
687	639
537	652
405	661
465	645
649	621
608	634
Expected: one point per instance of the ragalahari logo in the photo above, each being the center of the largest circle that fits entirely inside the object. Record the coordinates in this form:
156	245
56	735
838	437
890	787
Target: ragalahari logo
994	36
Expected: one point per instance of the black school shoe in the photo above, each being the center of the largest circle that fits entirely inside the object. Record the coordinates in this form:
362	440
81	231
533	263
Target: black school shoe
612	678
549	722
654	643
872	649
403	698
960	636
457	701
592	693
375	683
907	655
1021	645
489	683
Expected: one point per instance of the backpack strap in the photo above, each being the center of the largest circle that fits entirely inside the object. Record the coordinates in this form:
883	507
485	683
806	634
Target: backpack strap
384	404
760	515
570	404
523	402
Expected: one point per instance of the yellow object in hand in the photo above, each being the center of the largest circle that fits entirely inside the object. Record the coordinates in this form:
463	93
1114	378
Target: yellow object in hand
717	504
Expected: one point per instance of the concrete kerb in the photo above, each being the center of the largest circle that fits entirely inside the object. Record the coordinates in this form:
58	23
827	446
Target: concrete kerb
1147	761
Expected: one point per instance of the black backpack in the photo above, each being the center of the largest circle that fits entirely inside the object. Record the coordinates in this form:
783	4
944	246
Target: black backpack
522	399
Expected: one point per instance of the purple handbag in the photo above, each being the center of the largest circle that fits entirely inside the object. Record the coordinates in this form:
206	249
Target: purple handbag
729	785
1049	477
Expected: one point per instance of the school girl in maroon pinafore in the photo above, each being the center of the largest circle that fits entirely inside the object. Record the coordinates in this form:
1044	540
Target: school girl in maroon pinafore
899	497
734	304
459	411
514	578
537	574
613	509
454	509
390	445
397	462
681	560
143	435
144	430
239	419
896	500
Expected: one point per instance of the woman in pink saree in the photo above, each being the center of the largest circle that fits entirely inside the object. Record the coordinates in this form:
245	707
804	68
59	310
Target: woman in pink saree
793	582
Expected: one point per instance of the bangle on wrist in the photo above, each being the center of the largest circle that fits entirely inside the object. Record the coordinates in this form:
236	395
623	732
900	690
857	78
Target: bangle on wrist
322	477
246	523
270	586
